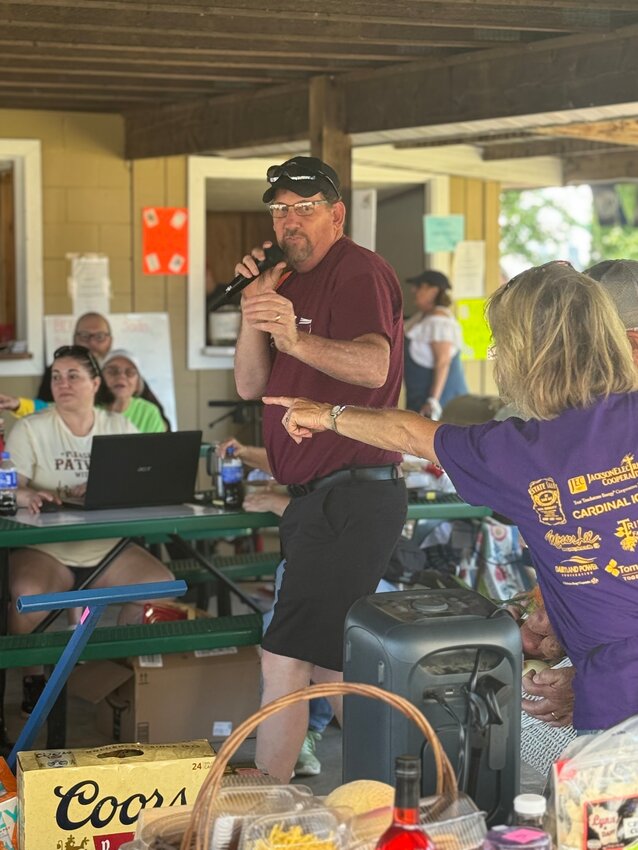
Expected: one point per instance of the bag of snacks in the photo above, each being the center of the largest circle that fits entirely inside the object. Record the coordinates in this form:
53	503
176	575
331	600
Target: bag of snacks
595	790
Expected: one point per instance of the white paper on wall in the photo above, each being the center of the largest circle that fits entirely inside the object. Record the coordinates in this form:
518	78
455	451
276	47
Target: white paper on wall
89	283
468	270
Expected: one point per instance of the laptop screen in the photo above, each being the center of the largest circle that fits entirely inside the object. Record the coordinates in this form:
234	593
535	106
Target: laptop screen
136	470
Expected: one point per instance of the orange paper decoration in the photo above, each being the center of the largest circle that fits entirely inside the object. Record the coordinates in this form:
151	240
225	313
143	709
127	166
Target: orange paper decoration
165	240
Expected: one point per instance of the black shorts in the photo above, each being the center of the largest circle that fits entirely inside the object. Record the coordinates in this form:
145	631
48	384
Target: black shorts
337	542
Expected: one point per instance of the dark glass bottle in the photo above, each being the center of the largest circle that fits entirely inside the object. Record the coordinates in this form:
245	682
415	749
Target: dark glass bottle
405	831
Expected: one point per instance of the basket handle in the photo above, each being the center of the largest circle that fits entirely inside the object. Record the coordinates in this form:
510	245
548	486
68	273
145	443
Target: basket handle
200	826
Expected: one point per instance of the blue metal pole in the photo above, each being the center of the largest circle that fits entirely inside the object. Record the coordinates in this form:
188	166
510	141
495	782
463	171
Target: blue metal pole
60	674
96	601
101	596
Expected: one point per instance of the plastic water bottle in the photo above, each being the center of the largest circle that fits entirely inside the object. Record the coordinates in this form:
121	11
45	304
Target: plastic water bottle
8	486
232	480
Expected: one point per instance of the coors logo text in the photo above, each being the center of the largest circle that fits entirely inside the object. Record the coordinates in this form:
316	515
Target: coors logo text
81	804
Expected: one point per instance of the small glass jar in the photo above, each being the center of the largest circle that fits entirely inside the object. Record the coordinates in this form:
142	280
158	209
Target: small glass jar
529	810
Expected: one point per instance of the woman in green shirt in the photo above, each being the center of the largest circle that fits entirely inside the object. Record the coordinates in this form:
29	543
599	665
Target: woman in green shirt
122	376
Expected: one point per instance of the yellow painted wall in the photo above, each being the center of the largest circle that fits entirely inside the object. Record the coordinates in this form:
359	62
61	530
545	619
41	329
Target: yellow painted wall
479	202
92	201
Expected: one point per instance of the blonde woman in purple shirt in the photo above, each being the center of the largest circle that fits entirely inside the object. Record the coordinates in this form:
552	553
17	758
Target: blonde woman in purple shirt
568	477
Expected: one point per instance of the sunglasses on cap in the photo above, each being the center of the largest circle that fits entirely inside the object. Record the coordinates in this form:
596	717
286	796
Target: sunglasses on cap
534	269
79	352
297	172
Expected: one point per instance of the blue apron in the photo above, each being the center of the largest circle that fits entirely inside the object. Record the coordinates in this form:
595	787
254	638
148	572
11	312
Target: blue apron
418	380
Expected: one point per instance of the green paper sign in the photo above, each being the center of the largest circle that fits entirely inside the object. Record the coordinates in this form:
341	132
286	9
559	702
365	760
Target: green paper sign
443	232
476	332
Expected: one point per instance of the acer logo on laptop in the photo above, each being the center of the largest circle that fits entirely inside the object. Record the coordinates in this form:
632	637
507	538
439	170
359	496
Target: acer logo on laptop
144	468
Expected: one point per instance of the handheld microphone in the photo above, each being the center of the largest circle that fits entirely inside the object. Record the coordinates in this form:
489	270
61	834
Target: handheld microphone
274	255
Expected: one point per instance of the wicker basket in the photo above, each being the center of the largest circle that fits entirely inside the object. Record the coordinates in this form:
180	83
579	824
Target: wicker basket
198	834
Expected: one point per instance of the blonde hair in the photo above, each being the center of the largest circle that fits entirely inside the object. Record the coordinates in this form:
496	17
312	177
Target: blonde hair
559	342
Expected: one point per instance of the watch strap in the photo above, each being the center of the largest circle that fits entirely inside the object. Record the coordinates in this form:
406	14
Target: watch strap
335	412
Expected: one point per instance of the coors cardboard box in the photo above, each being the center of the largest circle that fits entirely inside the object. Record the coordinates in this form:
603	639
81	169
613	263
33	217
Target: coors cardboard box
91	799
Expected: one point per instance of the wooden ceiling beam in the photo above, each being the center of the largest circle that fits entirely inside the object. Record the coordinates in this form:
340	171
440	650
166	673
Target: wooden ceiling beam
108	76
606	5
274	35
524	148
277	114
601	167
400	13
95	42
469	139
553	75
621	131
17	57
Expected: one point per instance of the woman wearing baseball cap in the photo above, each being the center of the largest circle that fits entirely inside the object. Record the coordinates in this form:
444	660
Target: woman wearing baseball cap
432	367
121	372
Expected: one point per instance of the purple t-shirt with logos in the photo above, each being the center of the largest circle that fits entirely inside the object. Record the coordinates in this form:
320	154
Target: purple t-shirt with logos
571	486
351	292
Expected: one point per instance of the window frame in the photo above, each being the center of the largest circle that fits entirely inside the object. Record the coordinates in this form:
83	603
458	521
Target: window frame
26	157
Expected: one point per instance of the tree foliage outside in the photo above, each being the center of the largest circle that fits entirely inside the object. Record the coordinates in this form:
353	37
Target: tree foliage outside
538	225
619	240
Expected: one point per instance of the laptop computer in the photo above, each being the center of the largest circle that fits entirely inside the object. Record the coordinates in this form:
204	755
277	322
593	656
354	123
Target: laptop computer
140	470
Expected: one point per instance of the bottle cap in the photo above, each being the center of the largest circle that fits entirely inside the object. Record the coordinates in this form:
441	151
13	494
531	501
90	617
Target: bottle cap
408	766
530	804
5	455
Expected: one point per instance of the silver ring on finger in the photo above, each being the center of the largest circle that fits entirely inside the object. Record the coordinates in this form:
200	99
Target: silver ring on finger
277	317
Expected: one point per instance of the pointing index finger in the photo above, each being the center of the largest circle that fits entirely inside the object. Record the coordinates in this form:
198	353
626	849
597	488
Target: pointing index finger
281	400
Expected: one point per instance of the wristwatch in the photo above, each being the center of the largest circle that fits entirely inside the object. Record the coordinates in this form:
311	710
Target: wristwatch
335	412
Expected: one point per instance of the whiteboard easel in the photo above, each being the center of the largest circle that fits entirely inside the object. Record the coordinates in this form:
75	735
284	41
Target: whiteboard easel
146	335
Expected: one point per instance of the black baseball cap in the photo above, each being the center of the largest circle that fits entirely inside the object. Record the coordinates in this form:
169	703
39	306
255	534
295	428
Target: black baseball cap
430	278
305	176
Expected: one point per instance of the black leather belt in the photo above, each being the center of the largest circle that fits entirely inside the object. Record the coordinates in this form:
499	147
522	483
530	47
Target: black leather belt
353	473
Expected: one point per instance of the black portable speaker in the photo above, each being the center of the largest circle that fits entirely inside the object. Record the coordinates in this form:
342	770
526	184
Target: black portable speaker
457	657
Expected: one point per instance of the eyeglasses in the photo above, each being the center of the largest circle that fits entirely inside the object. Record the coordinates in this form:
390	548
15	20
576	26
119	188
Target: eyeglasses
86	336
115	371
511	282
78	352
297	172
301	208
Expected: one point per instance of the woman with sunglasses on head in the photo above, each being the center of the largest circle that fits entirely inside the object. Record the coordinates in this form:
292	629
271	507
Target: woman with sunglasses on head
52	452
566	477
122	376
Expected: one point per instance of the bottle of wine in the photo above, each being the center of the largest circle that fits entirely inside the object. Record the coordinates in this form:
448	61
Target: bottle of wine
405	832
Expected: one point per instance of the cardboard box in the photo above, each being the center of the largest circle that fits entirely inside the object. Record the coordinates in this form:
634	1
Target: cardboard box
91	799
173	697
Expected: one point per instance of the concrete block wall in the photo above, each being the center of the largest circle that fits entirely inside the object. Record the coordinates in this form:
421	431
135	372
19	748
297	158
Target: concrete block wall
92	202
